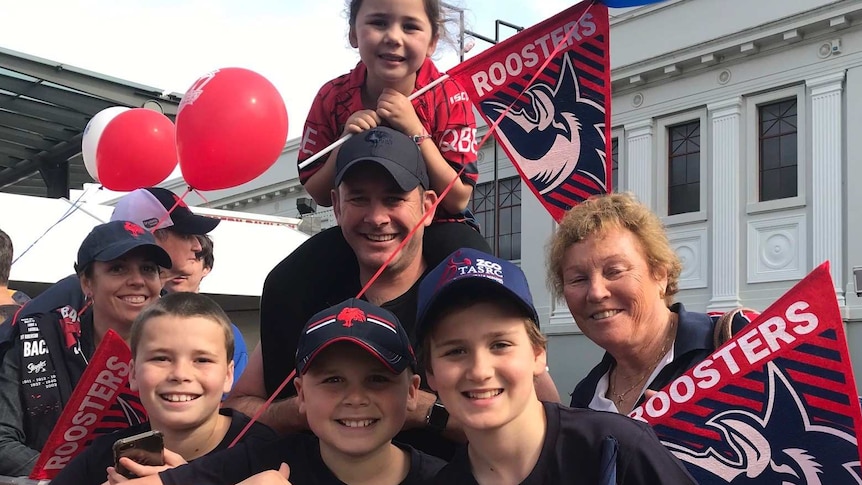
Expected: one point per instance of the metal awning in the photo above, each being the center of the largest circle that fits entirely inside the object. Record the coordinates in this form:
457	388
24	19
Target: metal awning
44	108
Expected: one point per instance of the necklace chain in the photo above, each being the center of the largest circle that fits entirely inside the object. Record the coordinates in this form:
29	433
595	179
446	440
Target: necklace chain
618	398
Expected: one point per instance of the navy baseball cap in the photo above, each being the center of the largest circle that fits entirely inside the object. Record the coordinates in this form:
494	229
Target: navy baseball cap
148	207
465	270
362	323
391	149
107	242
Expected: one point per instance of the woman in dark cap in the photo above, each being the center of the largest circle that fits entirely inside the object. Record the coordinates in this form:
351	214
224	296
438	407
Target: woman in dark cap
118	267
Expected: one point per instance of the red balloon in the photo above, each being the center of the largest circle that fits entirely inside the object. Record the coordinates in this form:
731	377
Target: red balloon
137	149
231	127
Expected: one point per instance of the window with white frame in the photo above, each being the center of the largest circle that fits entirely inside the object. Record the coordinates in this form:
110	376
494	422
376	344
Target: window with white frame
775	149
682	149
502	229
683	161
616	159
615	164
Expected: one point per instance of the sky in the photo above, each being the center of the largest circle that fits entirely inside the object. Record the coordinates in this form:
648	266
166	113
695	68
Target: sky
167	44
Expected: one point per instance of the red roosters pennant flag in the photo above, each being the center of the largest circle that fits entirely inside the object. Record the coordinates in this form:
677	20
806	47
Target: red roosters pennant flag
548	91
101	403
776	404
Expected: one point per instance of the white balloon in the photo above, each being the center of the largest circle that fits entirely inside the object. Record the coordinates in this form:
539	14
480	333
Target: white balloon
92	134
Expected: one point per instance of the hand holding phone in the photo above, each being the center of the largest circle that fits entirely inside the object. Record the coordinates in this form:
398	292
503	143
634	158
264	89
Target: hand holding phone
145	448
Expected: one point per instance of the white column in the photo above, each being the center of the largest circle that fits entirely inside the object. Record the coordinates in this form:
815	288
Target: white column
827	129
726	163
639	160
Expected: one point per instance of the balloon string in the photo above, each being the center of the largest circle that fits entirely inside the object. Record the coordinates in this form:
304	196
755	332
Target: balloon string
196	191
69	211
171	210
410	234
427	214
262	408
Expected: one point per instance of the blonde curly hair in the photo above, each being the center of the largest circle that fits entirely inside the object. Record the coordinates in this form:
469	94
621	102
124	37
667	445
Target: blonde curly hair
597	215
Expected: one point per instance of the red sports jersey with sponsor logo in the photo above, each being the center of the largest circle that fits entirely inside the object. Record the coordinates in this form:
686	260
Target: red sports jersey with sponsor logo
445	112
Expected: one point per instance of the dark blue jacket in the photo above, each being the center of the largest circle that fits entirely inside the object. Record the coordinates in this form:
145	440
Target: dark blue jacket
693	343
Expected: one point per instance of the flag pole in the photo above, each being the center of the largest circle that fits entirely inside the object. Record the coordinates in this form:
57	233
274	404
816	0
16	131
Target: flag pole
337	143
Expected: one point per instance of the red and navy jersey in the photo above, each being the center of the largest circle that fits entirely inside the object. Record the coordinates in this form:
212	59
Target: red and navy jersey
445	112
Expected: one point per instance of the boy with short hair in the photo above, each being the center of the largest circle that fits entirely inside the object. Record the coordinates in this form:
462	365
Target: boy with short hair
355	383
181	365
481	345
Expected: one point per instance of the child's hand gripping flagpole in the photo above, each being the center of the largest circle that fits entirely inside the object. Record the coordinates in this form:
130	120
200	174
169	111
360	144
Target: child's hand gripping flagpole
337	143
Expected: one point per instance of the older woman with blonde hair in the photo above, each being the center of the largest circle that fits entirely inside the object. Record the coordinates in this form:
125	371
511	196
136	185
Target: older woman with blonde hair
612	262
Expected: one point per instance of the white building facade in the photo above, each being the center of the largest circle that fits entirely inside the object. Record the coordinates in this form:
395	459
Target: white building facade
738	121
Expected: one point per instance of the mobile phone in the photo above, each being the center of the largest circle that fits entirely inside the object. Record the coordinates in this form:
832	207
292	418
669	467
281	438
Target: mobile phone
145	448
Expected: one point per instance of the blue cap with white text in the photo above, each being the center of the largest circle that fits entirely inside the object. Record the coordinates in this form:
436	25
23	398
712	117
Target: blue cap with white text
468	268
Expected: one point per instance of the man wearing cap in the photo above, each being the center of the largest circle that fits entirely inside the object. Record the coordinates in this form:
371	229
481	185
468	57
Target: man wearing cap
381	194
45	353
176	228
8	302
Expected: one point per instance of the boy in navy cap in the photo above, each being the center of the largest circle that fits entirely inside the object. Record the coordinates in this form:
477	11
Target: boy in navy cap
480	343
355	384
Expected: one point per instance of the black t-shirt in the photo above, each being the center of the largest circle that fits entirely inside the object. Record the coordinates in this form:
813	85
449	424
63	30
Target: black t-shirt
572	451
320	273
89	467
300	451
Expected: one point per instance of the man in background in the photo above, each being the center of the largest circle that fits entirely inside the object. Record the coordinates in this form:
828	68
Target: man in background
8	303
184	236
190	281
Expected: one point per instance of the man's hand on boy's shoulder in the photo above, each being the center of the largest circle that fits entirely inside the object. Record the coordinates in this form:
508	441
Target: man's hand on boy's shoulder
271	477
417	418
546	390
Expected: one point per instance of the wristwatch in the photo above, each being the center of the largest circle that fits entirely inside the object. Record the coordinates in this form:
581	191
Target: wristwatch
437	417
418	139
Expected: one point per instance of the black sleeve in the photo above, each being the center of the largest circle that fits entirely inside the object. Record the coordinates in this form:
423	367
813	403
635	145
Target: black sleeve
90	466
16	458
455	472
320	273
225	467
234	465
82	470
645	461
443	238
423	468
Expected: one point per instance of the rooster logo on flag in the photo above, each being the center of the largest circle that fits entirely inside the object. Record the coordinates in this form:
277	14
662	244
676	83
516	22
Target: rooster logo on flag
788	416
545	93
786	447
554	132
